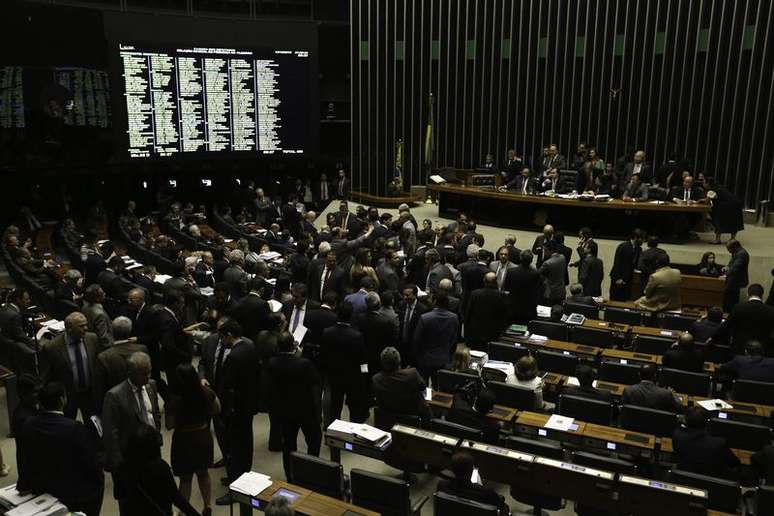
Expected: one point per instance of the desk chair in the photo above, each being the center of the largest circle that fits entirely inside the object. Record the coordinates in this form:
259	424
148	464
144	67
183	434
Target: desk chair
386	495
676	322
450	505
616	372
451	381
554	362
588	311
385	420
652	344
592	337
694	384
716	353
513	396
623	316
751	391
746	436
319	475
506	352
647	420
723	494
547	449
444	427
552	330
586	409
592	460
764	501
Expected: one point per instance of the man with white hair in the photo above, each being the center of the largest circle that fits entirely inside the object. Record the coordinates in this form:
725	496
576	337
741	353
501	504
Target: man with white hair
203	273
69	287
307	225
111	367
194	230
235	275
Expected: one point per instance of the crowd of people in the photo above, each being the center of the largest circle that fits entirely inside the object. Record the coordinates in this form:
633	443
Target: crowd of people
361	311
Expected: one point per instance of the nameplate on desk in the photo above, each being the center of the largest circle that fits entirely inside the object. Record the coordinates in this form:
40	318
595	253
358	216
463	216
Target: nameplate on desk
606	386
574	467
744	408
502	452
624	361
663	486
585	348
640	355
637	438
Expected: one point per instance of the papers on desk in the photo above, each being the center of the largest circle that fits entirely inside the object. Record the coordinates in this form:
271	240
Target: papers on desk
544	311
517	330
561	423
479	357
161	278
251	483
44	504
571	380
100	242
428	394
359	432
207	291
505	367
228	240
537	338
54	325
714	405
272	281
598	300
435	178
12	496
135	265
270	256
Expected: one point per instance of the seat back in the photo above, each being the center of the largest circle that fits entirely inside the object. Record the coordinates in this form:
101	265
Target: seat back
513	396
384	419
695	384
552	330
715	353
651	344
380	493
592	460
556	362
506	352
586	409
592	337
316	474
764	500
449	505
746	436
588	311
648	421
723	494
616	372
623	316
451	381
751	391
455	430
677	322
547	449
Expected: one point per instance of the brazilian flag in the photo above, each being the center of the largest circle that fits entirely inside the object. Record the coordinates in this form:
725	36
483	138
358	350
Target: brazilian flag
430	133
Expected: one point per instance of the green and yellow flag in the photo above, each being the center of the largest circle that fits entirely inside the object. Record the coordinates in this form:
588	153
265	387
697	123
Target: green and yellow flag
430	133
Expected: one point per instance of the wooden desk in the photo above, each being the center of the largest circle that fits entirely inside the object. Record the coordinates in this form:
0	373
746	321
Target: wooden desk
532	424
619	440
309	503
631	356
695	290
336	443
607	325
650	331
560	346
744	411
501	413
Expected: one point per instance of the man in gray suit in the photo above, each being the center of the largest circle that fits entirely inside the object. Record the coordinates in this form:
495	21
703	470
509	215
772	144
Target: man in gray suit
501	266
648	394
552	269
127	407
111	365
97	317
235	275
437	271
387	272
70	359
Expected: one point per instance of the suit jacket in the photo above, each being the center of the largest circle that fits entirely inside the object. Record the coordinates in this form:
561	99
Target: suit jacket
438	272
686	360
111	368
648	394
388	278
317	191
678	192
204	275
251	313
407	328
699	452
704	329
486	317
646	172
435	338
751	320
750	367
626	259
238	382
589	392
317	321
517	185
99	323
59	457
662	291
525	289
378	332
472	278
512	168
341	187
55	362
401	392
737	276
336	281
121	418
638	193
558	162
174	345
495	266
342	351
537	249
647	261
295	388
553	271
115	286
236	278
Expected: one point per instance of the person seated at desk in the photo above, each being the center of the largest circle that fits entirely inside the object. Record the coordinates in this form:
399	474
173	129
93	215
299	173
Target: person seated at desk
705	328
461	361
577	296
585	375
488	163
475	416
708	266
399	390
512	166
698	452
684	356
635	191
750	366
662	291
688	193
462	467
552	184
648	394
606	183
523	183
527	377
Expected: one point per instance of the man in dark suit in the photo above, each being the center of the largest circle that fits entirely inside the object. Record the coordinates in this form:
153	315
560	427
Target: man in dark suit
235	275
252	310
512	166
347	220
585	375
316	321
487	314
637	167
591	270
648	394
436	271
96	316
699	452
296	310
399	391
204	273
389	272
113	281
174	343
684	355
688	193
128	406
735	274
409	315
342	185
752	366
553	162
751	320
472	273
17	345
705	328
70	359
435	337
647	264
635	190
294	388
627	255
111	364
307	224
553	270
538	247
326	276
59	456
577	296
523	183
322	193
378	331
143	316
524	285
343	357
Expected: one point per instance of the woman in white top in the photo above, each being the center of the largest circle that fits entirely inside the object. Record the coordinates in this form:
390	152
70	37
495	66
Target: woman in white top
526	376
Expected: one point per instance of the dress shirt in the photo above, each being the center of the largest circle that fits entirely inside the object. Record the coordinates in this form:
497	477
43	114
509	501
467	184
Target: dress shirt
501	270
686	194
524	185
637	168
146	407
407	319
323	190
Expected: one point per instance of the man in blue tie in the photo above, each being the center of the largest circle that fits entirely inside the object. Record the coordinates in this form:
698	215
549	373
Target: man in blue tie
295	311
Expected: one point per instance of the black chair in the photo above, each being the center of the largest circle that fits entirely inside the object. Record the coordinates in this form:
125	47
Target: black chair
753	392
552	330
677	322
588	311
604	463
383	494
444	427
764	500
449	505
652	345
647	420
316	474
723	494
623	316
586	409
450	381
746	436
616	372
554	362
716	353
547	449
385	420
512	396
592	337
506	352
684	382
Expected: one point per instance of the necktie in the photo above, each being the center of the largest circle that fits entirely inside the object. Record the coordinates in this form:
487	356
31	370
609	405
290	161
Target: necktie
141	405
325	281
687	195
296	319
500	271
524	186
406	323
79	366
219	360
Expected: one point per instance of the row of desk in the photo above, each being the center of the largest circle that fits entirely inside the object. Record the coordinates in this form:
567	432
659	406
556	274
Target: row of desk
308	503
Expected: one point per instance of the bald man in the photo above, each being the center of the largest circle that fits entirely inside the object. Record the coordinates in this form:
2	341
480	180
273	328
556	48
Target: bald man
540	243
487	314
70	359
684	355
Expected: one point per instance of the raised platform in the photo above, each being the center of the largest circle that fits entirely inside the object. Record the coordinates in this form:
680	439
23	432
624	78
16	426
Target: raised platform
385	202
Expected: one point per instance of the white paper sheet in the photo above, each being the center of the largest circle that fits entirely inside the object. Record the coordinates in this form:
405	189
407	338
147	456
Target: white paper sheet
251	483
714	404
557	422
12	496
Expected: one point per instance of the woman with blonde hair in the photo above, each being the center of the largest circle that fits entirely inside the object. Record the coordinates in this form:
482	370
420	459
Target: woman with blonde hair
362	268
461	360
